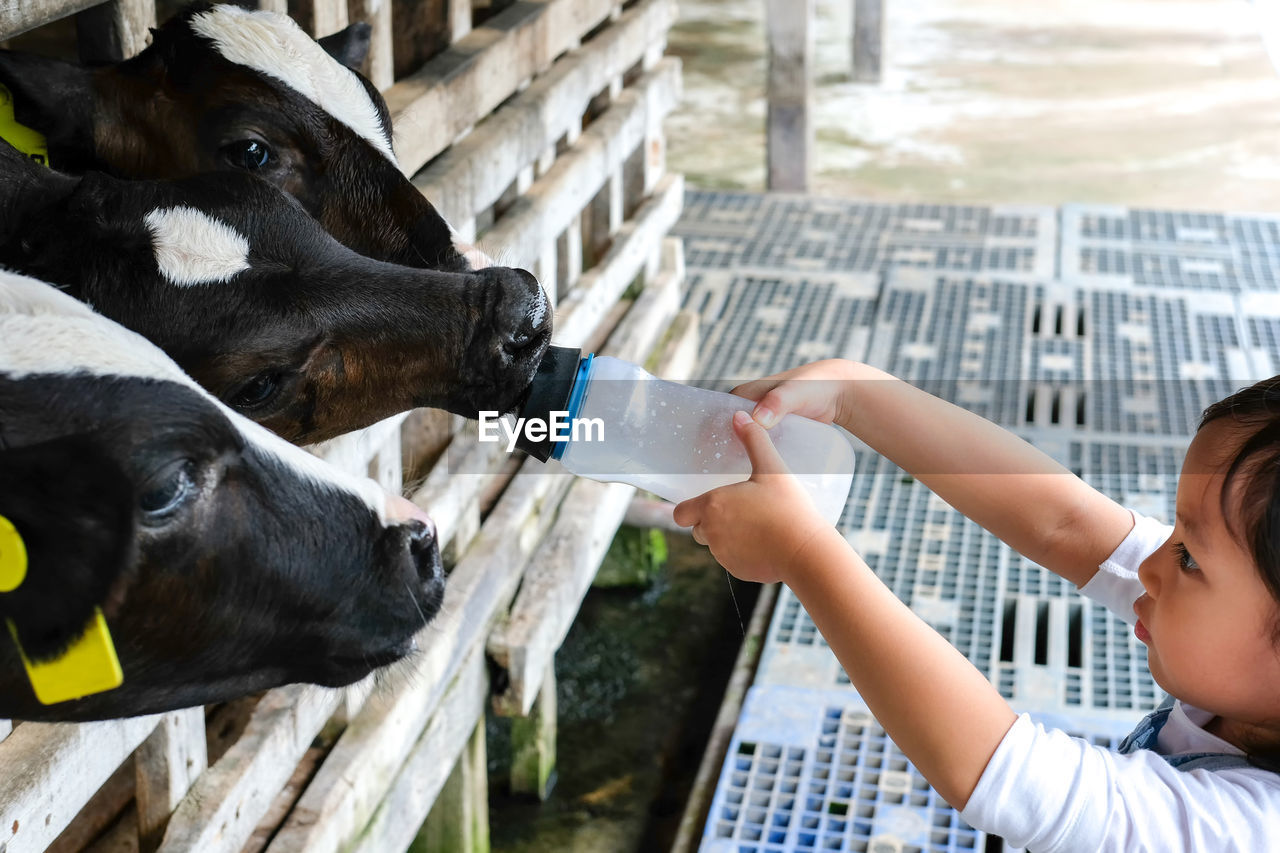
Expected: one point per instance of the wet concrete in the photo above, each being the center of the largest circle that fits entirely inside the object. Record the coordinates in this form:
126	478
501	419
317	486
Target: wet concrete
1164	103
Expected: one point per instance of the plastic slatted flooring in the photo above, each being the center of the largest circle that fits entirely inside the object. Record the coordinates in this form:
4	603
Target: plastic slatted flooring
1226	252
724	230
812	770
1108	373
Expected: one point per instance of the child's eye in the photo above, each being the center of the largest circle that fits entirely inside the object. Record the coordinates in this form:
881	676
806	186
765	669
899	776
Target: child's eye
1185	561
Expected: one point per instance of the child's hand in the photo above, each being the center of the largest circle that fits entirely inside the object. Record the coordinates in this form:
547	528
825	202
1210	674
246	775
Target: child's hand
817	391
754	529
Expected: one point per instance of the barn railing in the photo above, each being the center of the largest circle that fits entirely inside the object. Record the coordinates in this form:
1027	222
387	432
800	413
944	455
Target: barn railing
536	128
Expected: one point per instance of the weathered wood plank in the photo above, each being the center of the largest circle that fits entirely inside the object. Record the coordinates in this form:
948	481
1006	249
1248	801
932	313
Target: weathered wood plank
115	30
533	741
650	316
104	809
453	91
459	818
600	287
419	781
355	777
868	40
167	764
555	200
473	174
227	801
120	837
51	770
284	801
18	16
558	577
789	125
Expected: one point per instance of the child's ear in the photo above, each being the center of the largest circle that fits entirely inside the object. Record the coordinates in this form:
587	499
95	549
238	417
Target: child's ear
73	507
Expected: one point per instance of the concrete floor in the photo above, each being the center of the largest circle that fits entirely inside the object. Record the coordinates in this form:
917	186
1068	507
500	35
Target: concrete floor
1161	103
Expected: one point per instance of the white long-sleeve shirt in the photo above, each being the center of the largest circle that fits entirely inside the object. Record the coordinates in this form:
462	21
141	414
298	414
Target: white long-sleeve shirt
1048	791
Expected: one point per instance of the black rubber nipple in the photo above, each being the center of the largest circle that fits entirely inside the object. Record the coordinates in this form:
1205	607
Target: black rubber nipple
549	392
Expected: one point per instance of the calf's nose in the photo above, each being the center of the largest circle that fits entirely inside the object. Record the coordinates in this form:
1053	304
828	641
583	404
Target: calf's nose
524	313
422	537
402	511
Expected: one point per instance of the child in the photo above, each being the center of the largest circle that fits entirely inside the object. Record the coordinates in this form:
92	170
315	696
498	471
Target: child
1202	595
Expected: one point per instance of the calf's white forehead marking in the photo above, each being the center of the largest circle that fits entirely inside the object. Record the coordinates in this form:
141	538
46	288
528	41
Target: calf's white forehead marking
272	44
44	332
194	248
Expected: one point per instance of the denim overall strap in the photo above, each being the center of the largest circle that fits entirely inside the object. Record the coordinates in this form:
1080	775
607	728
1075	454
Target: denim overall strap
1144	734
1147	732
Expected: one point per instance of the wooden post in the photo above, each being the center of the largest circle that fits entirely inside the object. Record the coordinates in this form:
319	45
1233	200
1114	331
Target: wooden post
533	742
319	17
868	40
167	763
115	30
459	819
421	29
568	259
790	125
459	13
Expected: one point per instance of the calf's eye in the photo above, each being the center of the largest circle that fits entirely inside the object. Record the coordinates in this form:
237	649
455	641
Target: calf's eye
257	391
247	154
167	490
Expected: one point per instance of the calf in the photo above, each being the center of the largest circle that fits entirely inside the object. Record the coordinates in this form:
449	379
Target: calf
225	88
224	559
263	308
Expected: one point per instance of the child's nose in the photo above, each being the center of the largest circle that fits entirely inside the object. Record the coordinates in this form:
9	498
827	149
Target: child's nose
1148	575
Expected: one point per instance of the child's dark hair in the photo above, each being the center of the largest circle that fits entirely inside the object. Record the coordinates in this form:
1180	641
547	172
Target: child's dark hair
1256	409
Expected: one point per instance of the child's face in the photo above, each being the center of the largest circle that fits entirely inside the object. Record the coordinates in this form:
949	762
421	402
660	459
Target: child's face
1207	617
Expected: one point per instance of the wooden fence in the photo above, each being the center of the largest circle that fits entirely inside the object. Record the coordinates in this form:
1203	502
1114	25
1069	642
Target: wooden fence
536	127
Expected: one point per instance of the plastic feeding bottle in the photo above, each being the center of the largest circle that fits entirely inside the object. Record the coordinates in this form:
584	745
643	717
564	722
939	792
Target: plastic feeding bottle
609	420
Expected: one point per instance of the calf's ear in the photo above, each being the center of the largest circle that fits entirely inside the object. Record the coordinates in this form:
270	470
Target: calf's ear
350	45
55	98
73	507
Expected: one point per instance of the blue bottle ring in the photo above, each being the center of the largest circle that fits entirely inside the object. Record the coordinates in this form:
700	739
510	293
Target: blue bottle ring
576	395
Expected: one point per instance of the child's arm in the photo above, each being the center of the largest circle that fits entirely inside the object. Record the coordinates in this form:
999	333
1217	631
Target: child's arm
935	705
1004	484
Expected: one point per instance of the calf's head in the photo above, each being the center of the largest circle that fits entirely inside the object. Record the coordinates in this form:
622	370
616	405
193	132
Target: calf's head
224	559
225	88
267	311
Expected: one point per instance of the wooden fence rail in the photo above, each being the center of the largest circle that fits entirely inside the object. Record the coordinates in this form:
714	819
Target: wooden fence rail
536	128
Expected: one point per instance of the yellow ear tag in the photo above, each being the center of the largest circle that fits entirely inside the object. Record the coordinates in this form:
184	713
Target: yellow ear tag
13	557
28	141
89	666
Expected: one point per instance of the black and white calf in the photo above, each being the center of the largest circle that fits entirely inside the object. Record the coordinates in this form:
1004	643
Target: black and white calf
225	88
224	559
252	298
